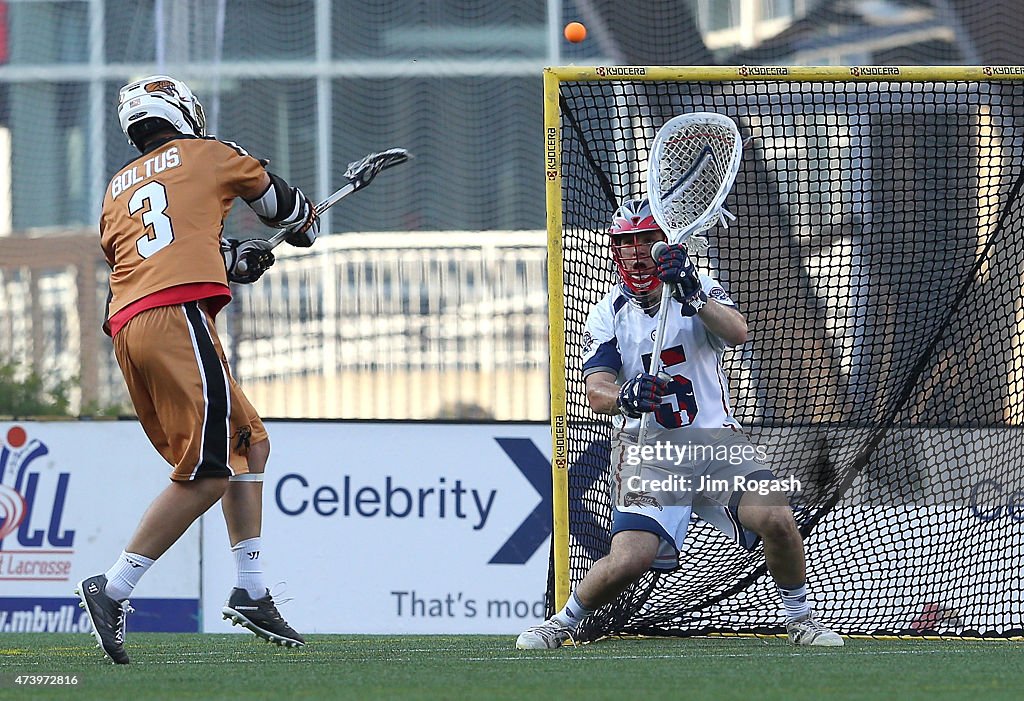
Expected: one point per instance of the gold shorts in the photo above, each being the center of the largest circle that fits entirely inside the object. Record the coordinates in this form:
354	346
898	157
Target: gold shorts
190	407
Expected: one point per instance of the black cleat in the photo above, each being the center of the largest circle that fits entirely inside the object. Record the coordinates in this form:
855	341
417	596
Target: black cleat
261	617
107	616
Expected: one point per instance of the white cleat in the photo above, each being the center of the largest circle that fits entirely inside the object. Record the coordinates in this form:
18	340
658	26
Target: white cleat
549	635
807	631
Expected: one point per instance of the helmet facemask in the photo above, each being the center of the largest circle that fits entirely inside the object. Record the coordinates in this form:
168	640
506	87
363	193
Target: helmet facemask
632	234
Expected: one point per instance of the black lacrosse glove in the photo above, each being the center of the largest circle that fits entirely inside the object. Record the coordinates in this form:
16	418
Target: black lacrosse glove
641	394
677	270
246	261
304	233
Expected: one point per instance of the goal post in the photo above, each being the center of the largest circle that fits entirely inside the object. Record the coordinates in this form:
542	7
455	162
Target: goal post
879	259
556	323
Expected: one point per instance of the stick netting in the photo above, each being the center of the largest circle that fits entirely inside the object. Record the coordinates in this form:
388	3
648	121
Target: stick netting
878	258
693	165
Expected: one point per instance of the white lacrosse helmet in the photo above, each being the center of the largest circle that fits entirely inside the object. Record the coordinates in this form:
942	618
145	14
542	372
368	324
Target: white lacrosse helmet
160	97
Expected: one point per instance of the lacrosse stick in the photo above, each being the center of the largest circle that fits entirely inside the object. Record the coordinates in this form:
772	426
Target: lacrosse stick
693	163
359	174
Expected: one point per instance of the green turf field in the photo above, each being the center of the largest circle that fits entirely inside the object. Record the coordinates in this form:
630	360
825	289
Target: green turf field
487	667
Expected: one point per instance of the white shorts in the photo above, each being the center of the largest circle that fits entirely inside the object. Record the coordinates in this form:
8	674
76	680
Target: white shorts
660	495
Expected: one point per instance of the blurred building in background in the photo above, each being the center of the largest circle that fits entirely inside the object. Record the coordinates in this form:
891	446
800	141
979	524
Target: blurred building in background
442	311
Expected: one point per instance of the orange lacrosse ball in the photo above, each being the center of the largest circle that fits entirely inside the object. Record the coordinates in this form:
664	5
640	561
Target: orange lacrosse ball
575	32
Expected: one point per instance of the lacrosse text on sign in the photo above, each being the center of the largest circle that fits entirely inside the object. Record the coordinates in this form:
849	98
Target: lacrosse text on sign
56	527
35	545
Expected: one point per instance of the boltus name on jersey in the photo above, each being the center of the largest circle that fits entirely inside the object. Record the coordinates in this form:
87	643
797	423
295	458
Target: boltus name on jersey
153	165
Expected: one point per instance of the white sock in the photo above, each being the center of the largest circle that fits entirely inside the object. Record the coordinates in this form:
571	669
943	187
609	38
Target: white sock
573	612
248	568
125	574
794	600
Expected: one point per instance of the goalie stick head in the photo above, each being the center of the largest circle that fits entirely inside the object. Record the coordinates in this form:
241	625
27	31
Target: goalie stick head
160	97
633	232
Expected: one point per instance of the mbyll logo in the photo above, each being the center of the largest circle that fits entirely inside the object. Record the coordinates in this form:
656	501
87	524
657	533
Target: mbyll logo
33	544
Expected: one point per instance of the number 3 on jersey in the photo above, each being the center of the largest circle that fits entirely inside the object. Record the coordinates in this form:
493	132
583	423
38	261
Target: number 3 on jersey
159	232
680	388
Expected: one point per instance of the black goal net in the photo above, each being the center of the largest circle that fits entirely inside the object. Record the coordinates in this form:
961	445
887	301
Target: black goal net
878	257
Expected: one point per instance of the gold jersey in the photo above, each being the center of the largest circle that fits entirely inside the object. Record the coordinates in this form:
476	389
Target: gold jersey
164	212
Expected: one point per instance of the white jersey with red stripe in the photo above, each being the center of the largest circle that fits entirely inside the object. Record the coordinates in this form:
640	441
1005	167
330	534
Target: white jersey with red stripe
619	339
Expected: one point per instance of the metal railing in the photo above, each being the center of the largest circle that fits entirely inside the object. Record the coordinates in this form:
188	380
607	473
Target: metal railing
382	326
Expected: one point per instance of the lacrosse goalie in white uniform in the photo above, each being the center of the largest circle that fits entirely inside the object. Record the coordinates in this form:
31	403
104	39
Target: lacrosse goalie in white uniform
693	423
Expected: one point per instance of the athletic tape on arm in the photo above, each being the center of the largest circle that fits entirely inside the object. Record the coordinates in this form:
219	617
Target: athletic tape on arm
247	477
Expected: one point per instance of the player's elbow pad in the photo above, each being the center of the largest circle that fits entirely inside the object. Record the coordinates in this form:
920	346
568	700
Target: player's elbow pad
280	206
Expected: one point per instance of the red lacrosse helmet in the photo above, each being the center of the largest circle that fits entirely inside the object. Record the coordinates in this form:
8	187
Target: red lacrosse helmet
633	232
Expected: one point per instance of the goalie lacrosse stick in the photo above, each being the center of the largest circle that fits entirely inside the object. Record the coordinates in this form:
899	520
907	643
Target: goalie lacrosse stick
693	163
359	174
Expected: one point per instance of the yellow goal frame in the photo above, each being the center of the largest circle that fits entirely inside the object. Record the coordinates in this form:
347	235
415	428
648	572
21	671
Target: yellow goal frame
553	76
